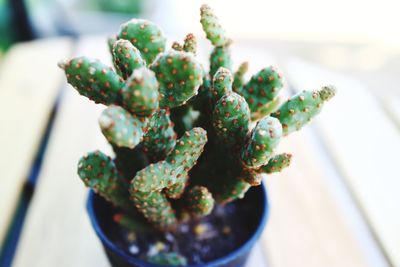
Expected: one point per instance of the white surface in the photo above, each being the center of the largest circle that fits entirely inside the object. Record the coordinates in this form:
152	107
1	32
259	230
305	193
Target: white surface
351	20
257	258
364	144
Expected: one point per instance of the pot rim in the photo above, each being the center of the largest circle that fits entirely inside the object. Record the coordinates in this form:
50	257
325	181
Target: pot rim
246	246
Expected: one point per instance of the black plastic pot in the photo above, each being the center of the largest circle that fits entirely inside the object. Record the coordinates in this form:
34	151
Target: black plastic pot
100	212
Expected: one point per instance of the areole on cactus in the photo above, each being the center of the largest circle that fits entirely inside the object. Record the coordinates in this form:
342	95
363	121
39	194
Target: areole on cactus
183	137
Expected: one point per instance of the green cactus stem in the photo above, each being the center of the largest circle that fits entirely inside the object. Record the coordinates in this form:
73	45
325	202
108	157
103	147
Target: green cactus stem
179	76
277	163
220	57
188	149
190	44
199	201
140	95
110	43
267	109
156	176
160	137
121	128
181	159
150	181
239	76
262	88
93	79
231	189
263	139
301	108
168	258
155	207
253	177
231	118
126	58
211	26
145	36
222	83
98	172
176	191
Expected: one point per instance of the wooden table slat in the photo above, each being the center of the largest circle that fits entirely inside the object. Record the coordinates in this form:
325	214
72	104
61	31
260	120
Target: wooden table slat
29	84
57	231
364	143
307	226
392	106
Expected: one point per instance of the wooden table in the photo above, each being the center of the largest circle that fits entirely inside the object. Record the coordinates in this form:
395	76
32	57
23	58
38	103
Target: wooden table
336	206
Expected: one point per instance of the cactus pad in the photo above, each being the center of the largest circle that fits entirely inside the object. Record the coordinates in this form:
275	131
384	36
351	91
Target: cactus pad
222	83
155	207
176	191
110	43
220	57
140	95
93	79
179	76
262	88
239	76
188	149
200	201
267	109
126	58
98	172
231	118
277	163
121	128
190	44
301	108
177	46
250	176
145	36
263	139
146	188
214	31
155	177
232	189
160	137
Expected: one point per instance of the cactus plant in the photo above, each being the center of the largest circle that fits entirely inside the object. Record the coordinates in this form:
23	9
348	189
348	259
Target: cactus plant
185	139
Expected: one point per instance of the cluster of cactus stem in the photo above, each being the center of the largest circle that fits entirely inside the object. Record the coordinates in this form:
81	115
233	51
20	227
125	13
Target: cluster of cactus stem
185	139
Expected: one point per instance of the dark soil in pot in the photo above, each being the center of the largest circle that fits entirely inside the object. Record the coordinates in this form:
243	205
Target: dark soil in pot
204	240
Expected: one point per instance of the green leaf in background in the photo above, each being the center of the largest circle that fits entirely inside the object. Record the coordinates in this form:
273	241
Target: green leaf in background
5	26
117	6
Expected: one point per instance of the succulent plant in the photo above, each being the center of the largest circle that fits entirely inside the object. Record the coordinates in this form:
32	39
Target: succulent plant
185	139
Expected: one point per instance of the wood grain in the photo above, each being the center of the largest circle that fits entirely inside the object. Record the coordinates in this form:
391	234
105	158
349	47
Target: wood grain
29	84
364	143
391	104
57	231
307	226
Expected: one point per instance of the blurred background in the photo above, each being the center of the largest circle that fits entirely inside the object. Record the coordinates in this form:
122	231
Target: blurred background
369	28
343	214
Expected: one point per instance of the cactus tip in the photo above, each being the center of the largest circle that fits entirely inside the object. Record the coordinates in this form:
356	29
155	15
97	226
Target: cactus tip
61	64
327	92
204	7
105	122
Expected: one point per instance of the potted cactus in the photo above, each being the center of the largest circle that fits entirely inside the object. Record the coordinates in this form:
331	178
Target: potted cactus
190	147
